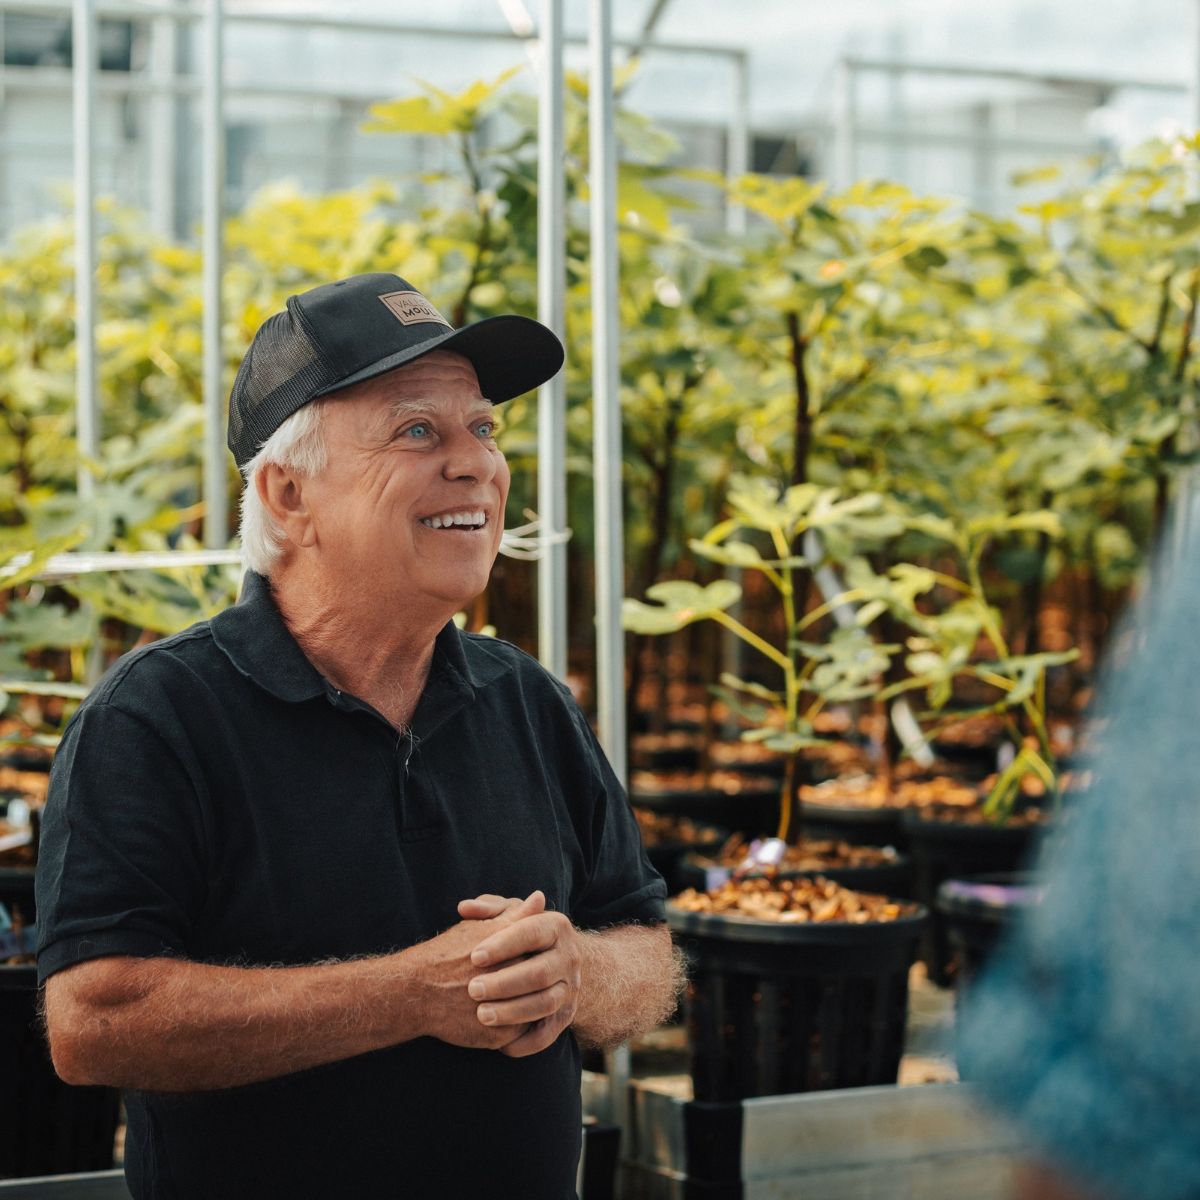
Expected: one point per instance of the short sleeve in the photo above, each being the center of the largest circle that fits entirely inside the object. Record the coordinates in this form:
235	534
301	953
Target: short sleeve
623	888
120	865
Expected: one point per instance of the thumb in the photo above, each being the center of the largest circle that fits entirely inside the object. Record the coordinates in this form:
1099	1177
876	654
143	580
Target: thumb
483	908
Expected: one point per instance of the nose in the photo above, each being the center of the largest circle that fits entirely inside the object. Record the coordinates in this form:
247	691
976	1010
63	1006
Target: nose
468	459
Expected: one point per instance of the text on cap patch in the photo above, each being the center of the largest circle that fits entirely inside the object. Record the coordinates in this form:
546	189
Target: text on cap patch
411	308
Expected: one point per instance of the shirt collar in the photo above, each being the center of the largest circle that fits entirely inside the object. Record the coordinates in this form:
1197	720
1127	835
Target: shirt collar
254	637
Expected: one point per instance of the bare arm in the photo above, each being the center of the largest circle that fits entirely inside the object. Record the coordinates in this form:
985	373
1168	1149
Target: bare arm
170	1025
609	986
631	980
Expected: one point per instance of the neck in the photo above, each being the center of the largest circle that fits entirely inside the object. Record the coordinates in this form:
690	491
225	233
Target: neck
354	638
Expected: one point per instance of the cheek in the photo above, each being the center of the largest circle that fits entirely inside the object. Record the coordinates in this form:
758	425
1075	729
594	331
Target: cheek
503	477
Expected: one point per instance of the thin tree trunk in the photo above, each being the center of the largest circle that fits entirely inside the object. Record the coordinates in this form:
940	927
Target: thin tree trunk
802	437
1032	592
1166	449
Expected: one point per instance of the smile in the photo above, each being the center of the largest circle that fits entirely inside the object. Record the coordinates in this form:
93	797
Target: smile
456	520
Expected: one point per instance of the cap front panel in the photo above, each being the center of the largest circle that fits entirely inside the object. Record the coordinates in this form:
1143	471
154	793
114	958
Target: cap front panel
355	328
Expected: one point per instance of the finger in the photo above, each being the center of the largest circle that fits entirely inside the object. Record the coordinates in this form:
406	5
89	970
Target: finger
521	977
534	1007
505	909
485	907
539	932
544	1033
504	1035
531	906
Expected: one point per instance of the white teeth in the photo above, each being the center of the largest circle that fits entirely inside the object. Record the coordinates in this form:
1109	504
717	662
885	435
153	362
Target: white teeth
473	520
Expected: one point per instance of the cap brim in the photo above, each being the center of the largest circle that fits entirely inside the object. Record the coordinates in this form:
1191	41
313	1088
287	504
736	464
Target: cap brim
511	355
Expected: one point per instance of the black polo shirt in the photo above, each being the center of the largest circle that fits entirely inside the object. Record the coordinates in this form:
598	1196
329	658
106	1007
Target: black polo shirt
215	798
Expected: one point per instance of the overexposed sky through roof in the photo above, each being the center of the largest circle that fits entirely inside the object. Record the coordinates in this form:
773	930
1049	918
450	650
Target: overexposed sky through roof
794	46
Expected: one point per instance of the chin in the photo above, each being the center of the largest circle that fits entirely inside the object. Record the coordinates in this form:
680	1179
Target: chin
459	588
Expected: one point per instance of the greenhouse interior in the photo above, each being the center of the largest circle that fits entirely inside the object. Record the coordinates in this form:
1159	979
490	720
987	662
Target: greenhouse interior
772	428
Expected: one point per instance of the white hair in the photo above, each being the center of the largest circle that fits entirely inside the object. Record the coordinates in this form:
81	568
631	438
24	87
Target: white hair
298	445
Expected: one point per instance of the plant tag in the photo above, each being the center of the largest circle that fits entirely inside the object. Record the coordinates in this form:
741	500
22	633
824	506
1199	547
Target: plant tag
716	877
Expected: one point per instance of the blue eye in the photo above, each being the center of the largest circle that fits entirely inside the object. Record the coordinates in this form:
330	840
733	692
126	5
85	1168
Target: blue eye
418	430
487	428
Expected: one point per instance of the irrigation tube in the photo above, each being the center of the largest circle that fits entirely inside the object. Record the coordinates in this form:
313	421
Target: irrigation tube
606	391
216	516
87	388
552	396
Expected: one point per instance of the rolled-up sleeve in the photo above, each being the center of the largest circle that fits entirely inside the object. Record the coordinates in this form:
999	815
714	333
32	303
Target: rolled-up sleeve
120	867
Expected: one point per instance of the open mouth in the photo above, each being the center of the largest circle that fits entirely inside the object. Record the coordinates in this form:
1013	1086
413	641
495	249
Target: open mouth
456	520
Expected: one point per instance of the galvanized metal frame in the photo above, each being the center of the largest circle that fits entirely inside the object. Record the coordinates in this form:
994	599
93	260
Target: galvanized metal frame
606	389
552	312
847	130
85	39
215	488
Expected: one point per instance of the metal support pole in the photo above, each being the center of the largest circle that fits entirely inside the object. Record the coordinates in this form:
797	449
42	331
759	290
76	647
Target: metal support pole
606	389
897	146
552	312
216	516
738	149
1195	82
164	54
84	39
845	118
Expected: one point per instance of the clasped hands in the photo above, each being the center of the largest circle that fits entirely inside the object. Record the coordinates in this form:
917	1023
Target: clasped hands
506	977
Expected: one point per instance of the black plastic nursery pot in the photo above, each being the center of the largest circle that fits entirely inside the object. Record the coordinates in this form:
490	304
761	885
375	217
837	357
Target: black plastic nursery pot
977	912
858	826
774	1007
753	812
46	1126
16	893
27	758
748	759
893	878
675	750
667	858
944	850
973	762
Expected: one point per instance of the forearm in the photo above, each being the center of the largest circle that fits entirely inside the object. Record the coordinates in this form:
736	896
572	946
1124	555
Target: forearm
631	978
167	1025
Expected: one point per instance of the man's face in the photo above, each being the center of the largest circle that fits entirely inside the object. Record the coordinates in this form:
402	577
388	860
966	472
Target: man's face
412	500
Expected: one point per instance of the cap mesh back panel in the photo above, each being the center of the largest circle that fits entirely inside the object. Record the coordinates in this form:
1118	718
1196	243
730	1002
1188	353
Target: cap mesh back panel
281	372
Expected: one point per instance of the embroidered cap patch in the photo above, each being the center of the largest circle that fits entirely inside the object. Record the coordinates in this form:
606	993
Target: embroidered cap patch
411	308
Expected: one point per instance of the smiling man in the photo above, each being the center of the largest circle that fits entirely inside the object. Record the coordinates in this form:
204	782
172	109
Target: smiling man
284	853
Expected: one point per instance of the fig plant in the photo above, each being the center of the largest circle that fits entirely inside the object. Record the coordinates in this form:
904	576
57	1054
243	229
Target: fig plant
841	669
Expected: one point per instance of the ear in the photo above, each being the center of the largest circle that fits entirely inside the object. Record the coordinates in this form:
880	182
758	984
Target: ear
283	496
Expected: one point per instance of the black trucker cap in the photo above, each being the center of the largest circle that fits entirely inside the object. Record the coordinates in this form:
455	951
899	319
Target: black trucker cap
342	333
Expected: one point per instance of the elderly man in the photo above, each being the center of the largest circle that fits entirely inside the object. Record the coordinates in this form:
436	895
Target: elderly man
331	889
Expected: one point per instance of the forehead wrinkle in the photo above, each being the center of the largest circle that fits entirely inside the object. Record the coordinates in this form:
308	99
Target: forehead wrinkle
403	407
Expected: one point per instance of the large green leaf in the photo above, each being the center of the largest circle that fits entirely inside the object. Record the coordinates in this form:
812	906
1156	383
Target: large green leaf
25	556
678	603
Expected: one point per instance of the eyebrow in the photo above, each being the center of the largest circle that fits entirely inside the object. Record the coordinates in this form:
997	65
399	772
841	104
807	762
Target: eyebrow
401	410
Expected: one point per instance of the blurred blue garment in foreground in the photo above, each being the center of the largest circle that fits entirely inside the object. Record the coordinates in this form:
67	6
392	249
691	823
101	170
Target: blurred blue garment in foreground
1086	1028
